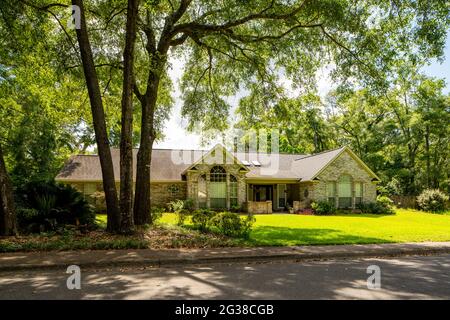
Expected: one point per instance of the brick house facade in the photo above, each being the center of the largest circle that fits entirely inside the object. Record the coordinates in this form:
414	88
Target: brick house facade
258	183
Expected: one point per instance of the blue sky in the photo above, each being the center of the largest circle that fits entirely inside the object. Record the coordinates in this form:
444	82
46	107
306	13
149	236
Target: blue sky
441	70
178	138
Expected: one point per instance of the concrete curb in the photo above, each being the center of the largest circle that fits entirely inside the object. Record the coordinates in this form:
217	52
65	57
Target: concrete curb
154	258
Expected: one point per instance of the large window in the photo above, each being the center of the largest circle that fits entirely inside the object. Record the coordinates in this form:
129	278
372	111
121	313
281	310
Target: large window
233	191
331	192
218	187
358	193
345	191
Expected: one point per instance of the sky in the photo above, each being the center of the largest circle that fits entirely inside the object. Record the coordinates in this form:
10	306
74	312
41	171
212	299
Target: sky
176	137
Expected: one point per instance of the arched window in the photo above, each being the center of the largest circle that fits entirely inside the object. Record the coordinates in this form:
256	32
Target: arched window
345	191
218	174
233	191
218	187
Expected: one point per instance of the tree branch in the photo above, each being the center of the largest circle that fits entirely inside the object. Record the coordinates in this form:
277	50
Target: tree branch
262	15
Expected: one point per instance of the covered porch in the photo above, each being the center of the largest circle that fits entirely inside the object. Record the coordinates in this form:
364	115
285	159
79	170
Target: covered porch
269	197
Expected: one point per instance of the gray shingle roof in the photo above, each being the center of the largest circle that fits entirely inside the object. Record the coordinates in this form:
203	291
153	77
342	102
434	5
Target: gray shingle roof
169	165
308	167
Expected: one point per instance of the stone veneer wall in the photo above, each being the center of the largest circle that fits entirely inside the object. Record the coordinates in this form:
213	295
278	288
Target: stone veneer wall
260	207
162	193
345	164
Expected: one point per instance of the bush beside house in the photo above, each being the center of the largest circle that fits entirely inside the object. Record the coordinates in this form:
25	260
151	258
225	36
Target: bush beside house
323	207
432	200
47	206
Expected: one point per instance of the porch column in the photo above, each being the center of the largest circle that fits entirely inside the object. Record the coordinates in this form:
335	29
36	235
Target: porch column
353	195
208	202
336	195
228	191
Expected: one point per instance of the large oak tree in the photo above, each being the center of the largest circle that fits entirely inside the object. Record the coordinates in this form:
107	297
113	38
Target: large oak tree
243	46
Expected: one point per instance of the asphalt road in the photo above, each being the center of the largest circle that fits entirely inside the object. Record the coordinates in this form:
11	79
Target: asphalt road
419	277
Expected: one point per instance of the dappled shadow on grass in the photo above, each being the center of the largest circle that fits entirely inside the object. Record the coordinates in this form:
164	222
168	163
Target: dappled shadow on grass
282	236
360	215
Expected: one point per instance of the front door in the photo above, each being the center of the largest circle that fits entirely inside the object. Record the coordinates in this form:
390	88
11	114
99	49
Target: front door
262	193
281	195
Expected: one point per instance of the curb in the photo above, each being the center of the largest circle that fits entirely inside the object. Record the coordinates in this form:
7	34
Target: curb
263	258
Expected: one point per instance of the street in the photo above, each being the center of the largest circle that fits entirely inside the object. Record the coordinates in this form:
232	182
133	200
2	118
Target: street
416	277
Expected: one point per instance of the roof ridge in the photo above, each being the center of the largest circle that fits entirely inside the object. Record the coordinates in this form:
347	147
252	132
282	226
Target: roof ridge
204	150
319	153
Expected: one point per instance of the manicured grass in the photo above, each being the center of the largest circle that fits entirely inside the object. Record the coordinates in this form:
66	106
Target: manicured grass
404	226
269	230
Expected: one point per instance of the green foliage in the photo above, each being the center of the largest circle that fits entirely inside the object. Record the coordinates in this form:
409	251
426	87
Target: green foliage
46	206
157	213
177	207
188	204
236	209
432	200
201	217
383	205
231	224
323	207
98	200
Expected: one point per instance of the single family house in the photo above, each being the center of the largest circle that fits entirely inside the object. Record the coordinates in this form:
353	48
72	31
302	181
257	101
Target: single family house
256	182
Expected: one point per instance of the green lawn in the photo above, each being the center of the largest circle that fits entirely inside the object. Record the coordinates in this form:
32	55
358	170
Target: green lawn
404	226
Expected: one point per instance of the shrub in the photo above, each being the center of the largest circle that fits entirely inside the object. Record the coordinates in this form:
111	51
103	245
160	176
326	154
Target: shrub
177	207
432	200
236	208
231	224
323	207
247	225
383	205
157	213
44	206
188	204
201	217
385	201
98	200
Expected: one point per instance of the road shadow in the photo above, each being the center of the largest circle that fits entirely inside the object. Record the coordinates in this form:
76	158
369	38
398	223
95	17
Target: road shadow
401	278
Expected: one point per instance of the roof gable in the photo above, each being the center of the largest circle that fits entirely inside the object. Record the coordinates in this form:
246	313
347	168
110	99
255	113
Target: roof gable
171	165
217	155
310	167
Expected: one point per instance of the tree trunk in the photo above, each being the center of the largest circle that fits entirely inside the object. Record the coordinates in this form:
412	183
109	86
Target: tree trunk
7	208
142	204
126	143
427	152
98	115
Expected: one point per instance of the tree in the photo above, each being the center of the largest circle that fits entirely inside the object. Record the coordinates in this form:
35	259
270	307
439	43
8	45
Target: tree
402	134
7	207
99	122
300	123
126	141
234	45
